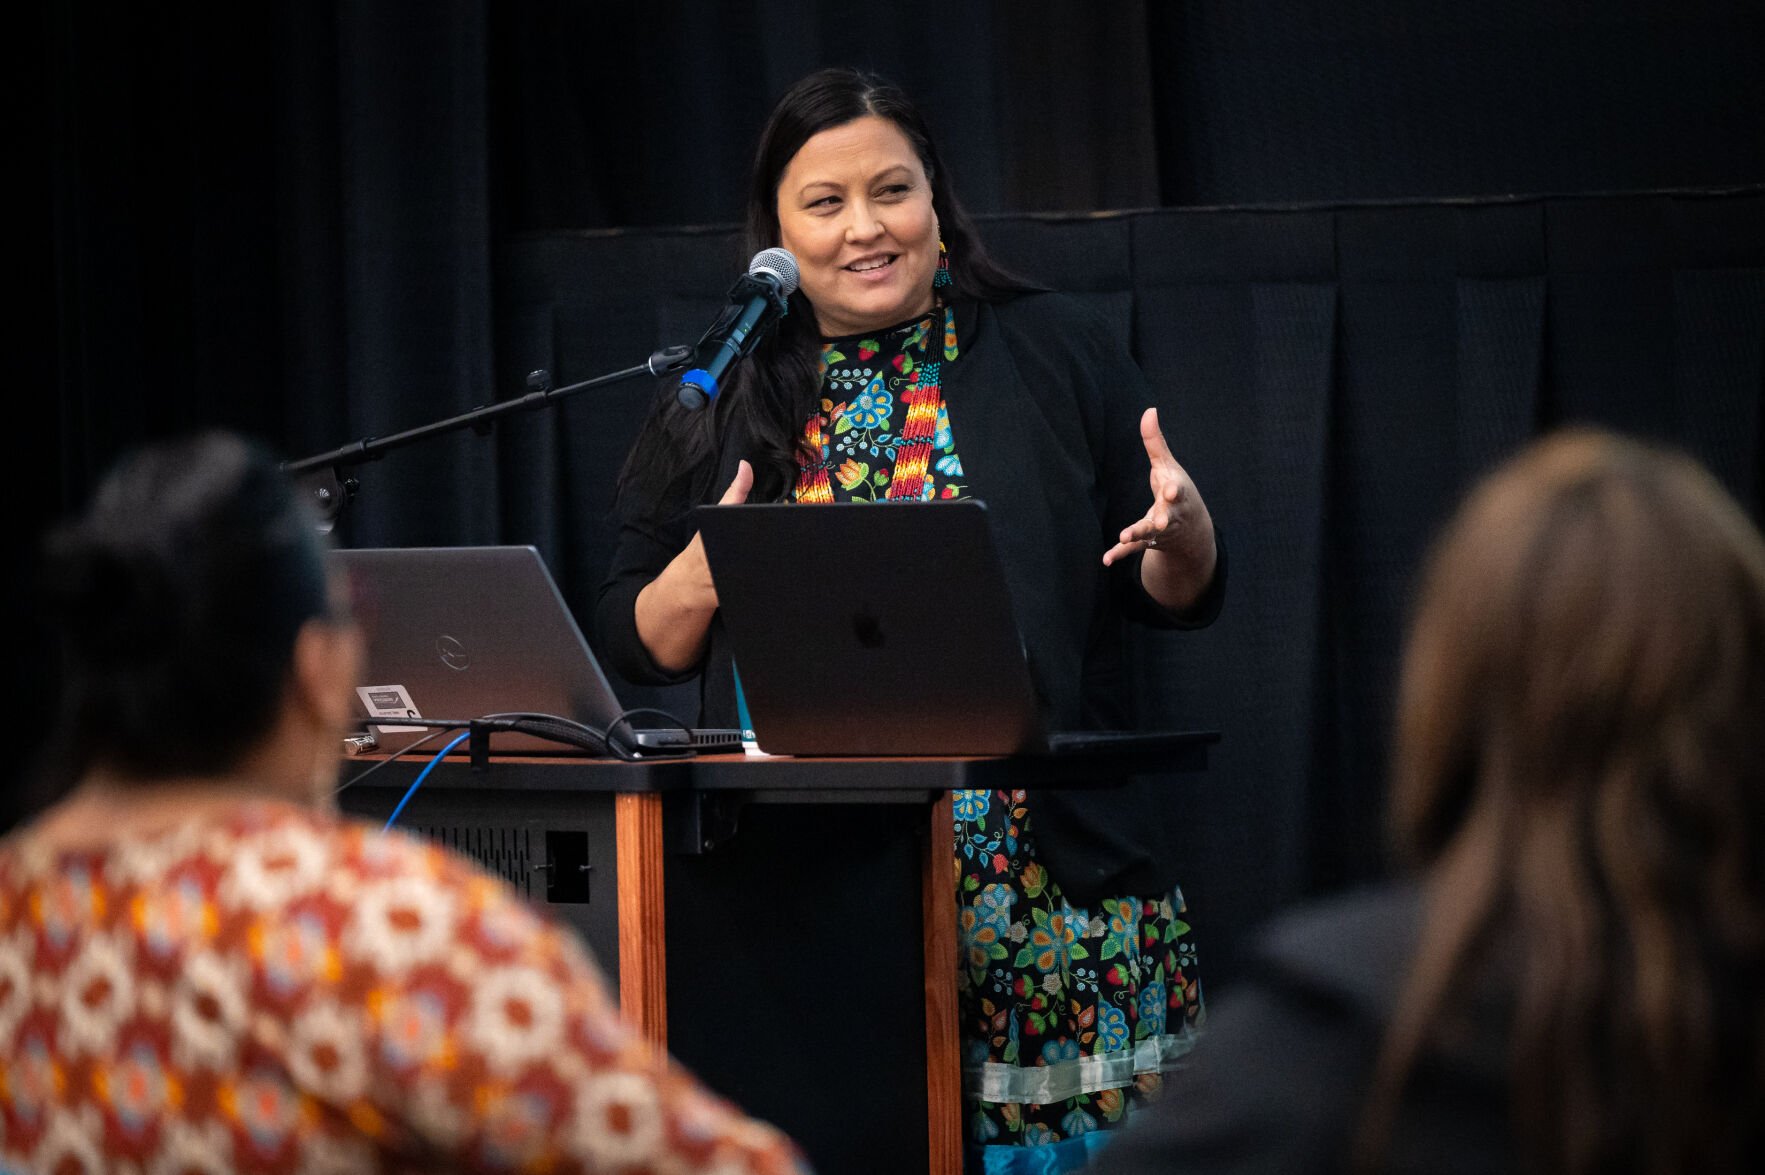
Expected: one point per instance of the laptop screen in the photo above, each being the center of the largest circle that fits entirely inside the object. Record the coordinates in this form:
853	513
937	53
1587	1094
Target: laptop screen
851	654
466	632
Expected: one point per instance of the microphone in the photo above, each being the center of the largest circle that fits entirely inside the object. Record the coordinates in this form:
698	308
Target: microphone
758	299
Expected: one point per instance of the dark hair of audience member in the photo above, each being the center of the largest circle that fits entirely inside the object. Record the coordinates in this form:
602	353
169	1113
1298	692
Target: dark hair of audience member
176	597
1580	765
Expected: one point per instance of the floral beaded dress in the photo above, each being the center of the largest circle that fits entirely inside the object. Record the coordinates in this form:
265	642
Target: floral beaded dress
1069	1014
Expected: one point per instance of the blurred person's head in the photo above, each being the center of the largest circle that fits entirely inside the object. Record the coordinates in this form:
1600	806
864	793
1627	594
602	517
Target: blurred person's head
200	634
1580	770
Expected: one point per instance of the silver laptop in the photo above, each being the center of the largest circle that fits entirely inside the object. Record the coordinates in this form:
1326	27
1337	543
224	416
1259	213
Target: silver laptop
457	633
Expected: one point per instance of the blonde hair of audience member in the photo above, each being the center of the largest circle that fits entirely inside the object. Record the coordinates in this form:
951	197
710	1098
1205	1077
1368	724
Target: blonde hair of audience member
1580	758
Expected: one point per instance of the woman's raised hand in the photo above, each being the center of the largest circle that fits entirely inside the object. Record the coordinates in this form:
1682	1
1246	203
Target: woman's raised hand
1176	531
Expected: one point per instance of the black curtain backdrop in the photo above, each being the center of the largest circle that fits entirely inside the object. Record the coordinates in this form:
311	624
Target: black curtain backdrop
1363	251
1333	379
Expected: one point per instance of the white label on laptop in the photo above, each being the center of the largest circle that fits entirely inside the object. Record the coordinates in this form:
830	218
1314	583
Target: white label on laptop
389	701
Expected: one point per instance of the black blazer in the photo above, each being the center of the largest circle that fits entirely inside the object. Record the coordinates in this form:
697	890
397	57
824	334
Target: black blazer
1279	1080
1045	407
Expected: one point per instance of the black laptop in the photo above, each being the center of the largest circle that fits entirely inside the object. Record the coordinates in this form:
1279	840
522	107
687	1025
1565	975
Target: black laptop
940	672
456	633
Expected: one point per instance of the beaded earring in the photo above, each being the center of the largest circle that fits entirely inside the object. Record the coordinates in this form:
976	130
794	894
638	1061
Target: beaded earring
941	280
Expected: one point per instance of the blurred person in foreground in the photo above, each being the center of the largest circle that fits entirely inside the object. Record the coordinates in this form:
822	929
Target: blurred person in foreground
1571	980
204	968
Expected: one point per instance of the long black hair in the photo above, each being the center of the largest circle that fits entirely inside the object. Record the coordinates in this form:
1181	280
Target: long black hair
774	391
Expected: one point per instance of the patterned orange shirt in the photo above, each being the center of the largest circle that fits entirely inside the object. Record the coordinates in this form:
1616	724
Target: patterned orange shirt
275	989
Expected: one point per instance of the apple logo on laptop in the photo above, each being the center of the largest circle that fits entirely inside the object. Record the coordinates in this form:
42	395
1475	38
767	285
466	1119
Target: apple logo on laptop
453	653
868	631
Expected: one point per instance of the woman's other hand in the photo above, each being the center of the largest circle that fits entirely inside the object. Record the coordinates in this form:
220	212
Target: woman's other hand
1176	532
674	610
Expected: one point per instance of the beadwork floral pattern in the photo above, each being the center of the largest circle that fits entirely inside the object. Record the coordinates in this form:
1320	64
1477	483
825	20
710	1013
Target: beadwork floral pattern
1044	984
1045	988
869	386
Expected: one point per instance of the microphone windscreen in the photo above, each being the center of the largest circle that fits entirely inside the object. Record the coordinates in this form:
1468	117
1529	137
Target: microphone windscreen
780	264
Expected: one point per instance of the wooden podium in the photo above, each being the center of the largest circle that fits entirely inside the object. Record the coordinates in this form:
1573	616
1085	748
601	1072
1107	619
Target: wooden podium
786	927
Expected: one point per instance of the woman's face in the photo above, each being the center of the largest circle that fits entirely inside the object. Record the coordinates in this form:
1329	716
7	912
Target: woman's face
855	209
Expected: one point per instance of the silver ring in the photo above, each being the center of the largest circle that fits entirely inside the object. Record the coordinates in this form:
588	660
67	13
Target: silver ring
1152	542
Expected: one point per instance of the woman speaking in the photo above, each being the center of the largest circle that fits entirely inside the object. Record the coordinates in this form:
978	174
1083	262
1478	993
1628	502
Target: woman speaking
912	367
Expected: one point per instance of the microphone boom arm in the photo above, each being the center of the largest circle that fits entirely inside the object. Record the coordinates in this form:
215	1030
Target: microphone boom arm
331	491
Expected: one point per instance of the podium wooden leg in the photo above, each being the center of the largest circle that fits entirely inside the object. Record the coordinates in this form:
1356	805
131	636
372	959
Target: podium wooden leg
943	1055
643	958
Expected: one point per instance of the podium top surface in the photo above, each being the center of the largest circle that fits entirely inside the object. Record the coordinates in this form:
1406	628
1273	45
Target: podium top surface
1183	752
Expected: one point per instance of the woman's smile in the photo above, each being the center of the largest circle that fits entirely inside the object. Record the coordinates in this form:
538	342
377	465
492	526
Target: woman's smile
855	209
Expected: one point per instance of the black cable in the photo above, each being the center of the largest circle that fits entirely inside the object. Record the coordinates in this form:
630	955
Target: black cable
632	753
556	728
535	723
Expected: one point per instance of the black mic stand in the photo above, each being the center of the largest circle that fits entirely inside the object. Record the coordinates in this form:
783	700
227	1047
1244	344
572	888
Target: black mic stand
321	474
